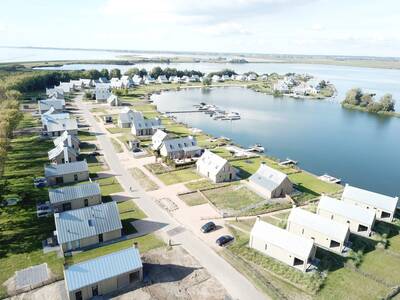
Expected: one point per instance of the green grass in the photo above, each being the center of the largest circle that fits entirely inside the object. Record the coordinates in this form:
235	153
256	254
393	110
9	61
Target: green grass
193	199
117	146
202	184
109	185
114	130
144	181
178	129
156	168
145	107
84	136
233	197
21	232
129	212
98	110
178	176
28	121
145	243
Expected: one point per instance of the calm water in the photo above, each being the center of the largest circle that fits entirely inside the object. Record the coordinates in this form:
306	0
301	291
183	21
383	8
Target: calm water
360	148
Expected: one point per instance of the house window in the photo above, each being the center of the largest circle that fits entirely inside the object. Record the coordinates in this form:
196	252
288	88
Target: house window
362	228
134	277
334	244
86	202
265	247
385	214
95	290
101	239
302	231
66	206
76	177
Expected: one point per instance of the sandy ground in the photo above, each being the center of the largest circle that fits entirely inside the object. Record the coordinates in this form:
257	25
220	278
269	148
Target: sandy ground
168	274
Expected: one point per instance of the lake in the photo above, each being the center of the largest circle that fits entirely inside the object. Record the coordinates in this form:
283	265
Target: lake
360	148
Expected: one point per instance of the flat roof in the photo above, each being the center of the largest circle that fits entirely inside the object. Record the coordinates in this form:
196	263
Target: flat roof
62	169
74	192
332	229
380	201
347	210
101	268
282	238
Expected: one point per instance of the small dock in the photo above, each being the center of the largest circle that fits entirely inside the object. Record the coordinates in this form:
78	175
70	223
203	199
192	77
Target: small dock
288	161
184	111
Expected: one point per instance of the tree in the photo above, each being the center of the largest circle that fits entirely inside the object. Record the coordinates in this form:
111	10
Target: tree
142	72
104	73
132	72
156	71
353	96
387	102
115	73
366	100
206	81
92	74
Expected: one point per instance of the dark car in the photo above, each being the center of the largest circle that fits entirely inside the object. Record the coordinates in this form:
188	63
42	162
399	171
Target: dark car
210	226
223	240
40	182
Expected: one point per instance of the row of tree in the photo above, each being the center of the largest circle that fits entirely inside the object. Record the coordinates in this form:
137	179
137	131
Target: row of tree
157	71
357	97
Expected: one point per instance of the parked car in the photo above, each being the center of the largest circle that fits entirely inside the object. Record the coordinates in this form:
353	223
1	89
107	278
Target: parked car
223	240
39	182
210	226
43	210
95	153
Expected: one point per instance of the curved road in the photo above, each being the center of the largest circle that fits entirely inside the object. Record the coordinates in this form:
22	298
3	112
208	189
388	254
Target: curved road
235	283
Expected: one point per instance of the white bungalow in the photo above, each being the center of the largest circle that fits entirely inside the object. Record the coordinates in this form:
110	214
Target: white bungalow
137	80
359	219
87	83
162	79
177	79
125	118
67	140
58	105
62	154
180	148
158	138
112	100
126	82
142	126
55	92
251	77
67	87
77	85
324	232
287	247
270	183
56	127
384	206
281	86
149	80
216	78
216	168
102	93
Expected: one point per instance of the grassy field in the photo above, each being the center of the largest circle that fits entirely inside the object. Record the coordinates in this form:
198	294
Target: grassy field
117	146
28	121
145	243
114	130
233	197
193	199
109	185
129	212
84	136
144	181
178	176
21	232
202	184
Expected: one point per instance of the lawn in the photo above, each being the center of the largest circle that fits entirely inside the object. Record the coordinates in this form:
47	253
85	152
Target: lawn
145	243
178	129
129	212
145	107
144	181
117	146
109	185
202	185
21	232
234	197
178	176
193	199
28	121
95	163
84	135
114	130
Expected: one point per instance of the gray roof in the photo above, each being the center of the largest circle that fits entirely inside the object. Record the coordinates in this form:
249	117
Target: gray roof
74	192
48	103
212	162
62	169
65	137
101	268
61	125
50	116
140	122
267	178
59	149
179	144
85	222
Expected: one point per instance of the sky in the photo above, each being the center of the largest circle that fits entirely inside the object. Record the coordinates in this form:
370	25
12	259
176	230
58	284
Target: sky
326	27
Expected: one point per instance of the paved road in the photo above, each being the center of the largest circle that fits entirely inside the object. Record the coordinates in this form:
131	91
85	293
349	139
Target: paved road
235	283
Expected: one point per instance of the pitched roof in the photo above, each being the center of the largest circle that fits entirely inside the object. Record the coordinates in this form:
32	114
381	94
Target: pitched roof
85	222
61	124
157	138
59	149
140	122
48	103
267	177
282	238
347	210
101	268
62	169
179	144
318	223
65	137
74	192
211	161
370	198
51	116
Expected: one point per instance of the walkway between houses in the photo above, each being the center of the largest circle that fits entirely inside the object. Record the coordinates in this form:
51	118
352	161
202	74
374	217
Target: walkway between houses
234	282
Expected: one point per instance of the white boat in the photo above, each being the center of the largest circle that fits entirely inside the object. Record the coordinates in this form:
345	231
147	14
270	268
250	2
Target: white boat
329	178
231	116
257	148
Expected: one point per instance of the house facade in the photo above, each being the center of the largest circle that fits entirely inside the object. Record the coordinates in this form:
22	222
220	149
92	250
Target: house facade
66	173
142	126
90	278
58	105
325	233
383	206
102	93
282	245
56	127
359	219
157	139
62	154
214	167
75	197
67	140
87	226
270	183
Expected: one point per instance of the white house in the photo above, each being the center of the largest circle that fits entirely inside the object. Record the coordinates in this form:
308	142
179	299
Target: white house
137	80
270	182
324	232
289	248
281	86
62	154
252	77
177	79
180	148
77	85
87	83
112	100
56	127
359	219
126	81
125	118
158	138
216	78
142	126
102	93
216	168
148	80
384	206
162	79
58	105
67	140
55	92
67	87
50	116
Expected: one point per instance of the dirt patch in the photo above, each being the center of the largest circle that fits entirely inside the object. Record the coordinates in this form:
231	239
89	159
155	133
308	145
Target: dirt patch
174	274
